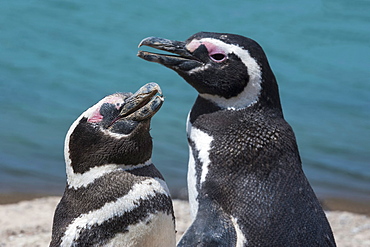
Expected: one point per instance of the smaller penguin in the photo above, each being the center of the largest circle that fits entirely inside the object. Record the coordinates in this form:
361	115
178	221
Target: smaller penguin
245	178
114	194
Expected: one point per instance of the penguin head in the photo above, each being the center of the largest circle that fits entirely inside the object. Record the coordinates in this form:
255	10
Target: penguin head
115	131
230	70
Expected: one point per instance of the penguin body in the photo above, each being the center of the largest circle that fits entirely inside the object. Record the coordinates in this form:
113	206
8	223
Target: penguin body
245	179
114	195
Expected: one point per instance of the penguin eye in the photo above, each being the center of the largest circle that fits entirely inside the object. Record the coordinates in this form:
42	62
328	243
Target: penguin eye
218	57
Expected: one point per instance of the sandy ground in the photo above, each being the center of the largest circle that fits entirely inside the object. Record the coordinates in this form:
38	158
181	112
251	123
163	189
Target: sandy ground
28	223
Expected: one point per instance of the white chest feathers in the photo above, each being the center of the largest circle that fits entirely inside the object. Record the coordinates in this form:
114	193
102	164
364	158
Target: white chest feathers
156	229
199	157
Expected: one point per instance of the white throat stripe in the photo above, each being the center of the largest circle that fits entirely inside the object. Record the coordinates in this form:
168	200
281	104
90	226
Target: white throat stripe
78	180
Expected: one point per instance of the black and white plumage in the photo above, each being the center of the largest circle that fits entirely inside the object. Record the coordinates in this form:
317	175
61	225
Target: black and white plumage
114	194
245	179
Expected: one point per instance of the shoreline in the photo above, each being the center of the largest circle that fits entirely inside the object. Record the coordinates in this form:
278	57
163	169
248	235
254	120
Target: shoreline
28	223
328	204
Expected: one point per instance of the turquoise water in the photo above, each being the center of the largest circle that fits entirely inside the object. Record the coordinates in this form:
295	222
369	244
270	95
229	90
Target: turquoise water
57	58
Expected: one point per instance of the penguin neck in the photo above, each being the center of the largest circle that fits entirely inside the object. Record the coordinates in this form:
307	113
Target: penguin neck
202	106
78	180
266	102
269	97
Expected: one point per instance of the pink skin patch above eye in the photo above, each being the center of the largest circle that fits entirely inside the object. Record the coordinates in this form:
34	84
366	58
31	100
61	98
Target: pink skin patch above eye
193	45
212	48
96	117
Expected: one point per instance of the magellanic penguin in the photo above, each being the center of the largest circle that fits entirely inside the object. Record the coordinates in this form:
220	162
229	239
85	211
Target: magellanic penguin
114	195
245	179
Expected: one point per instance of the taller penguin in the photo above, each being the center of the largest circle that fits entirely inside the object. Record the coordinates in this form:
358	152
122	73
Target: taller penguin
245	179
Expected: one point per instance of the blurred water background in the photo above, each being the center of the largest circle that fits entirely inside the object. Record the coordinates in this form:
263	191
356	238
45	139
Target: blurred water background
58	58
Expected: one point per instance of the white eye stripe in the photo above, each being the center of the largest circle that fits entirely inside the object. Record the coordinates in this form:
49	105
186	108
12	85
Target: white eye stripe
254	69
250	94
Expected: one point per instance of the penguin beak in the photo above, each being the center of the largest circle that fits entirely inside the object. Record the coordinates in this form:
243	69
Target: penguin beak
143	104
183	61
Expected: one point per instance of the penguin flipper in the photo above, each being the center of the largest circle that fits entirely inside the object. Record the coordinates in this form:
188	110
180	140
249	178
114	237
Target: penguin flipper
211	227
